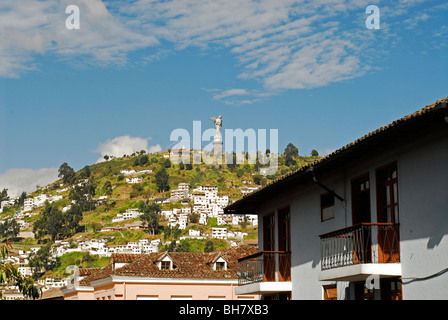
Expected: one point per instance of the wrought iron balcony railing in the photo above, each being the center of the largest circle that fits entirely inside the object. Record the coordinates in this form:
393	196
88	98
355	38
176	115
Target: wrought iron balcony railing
361	243
264	266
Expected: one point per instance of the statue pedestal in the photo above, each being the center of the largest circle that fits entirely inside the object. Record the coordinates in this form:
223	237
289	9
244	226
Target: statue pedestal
217	147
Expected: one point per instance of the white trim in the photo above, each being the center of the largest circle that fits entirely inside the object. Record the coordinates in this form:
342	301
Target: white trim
361	272
129	279
264	288
102	281
72	288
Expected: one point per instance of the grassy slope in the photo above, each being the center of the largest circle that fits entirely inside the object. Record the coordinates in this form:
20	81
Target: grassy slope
126	195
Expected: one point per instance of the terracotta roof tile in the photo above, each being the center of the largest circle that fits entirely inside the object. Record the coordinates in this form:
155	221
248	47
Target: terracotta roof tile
53	293
83	272
191	265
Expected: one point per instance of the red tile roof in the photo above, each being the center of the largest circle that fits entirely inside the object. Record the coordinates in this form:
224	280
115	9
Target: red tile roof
187	265
83	272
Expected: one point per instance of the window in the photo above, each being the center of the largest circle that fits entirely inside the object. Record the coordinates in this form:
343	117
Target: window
387	194
181	298
220	266
387	212
284	244
216	298
330	292
268	232
147	298
326	206
391	289
284	235
362	292
165	265
361	199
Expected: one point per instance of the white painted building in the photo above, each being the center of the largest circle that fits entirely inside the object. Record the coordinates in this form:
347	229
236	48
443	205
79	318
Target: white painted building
368	221
134	180
194	233
248	189
219	233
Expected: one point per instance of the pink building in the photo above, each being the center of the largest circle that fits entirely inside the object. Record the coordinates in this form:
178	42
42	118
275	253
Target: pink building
164	276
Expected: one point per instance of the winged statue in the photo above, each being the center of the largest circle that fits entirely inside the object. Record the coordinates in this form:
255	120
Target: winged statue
218	124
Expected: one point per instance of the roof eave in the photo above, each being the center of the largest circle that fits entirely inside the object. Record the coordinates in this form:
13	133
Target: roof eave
249	204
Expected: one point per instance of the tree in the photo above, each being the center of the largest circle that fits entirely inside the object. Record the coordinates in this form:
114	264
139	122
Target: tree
9	229
194	217
240	172
4	195
150	216
172	247
50	223
56	224
143	159
162	179
42	261
83	194
314	153
184	246
108	188
257	179
231	161
209	246
167	163
10	275
181	166
66	173
291	151
106	157
85	173
21	198
72	218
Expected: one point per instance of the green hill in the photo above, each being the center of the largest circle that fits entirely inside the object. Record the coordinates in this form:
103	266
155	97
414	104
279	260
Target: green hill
106	179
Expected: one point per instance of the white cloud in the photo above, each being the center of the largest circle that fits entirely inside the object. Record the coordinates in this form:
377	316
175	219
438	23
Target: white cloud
288	44
125	145
326	151
30	27
229	93
238	97
19	180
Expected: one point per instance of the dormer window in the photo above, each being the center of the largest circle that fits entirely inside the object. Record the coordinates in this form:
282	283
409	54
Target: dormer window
220	266
165	265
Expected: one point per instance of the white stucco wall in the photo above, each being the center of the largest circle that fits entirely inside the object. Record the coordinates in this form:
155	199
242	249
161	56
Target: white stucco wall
423	209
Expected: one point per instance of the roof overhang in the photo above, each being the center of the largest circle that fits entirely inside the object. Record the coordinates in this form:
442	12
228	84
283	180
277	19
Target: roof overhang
75	288
173	280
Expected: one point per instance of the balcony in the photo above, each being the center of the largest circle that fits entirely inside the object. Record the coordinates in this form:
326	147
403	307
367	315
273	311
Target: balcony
359	251
265	272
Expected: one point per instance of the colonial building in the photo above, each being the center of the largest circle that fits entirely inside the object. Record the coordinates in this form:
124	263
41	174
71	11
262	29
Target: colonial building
368	221
164	276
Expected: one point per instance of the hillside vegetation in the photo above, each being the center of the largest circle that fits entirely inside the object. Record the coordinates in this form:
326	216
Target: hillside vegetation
105	179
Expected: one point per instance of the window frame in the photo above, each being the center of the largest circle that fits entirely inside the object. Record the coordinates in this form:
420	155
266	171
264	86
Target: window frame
326	206
165	265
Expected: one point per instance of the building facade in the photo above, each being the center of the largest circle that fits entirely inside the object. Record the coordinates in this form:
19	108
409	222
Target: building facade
164	276
368	221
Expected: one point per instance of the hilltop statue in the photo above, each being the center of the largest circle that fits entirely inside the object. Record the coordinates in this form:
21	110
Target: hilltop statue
218	125
217	141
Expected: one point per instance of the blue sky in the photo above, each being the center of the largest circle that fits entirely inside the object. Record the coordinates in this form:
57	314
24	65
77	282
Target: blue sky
137	70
